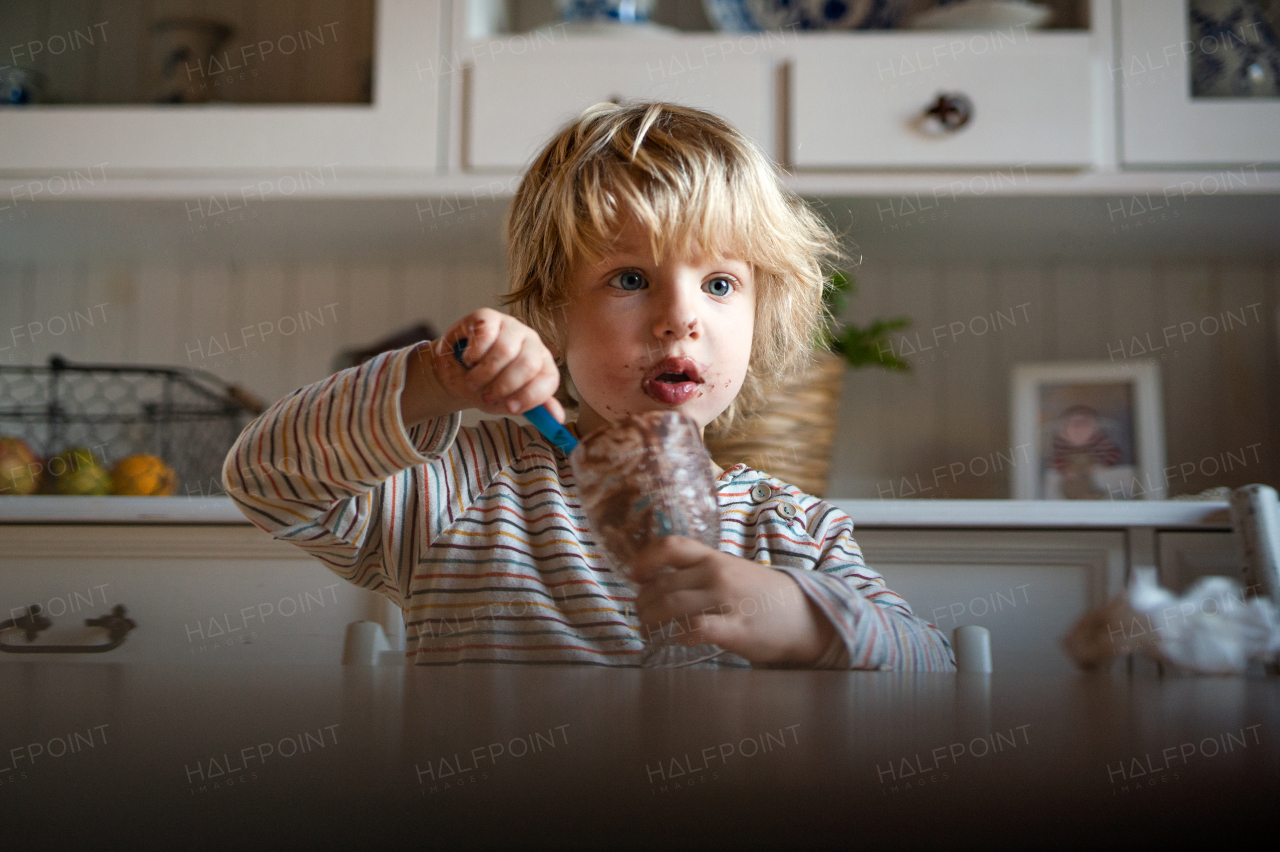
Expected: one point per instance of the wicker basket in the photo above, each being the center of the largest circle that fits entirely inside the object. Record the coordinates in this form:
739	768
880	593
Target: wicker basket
187	417
791	439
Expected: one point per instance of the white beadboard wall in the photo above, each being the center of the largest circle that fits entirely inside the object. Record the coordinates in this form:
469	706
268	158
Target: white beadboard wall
1222	391
288	321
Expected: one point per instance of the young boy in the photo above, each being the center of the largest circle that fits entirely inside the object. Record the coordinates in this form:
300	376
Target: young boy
656	263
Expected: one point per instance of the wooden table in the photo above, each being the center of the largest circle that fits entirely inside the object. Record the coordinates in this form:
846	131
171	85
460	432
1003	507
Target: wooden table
315	757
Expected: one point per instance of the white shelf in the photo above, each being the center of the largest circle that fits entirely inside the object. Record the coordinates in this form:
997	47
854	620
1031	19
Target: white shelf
332	183
1015	183
49	509
1056	514
335	184
1039	514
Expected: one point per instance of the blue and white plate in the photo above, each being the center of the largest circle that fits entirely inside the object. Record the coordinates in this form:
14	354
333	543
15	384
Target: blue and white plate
616	11
1236	53
982	15
757	15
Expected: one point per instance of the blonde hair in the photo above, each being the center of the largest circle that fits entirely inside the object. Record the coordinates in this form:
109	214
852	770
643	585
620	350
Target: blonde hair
691	180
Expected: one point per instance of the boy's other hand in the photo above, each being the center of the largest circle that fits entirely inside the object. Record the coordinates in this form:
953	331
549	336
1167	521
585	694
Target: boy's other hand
751	610
511	369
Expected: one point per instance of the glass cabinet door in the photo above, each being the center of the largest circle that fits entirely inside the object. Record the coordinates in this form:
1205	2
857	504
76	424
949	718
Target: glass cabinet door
195	87
143	52
1234	52
1199	83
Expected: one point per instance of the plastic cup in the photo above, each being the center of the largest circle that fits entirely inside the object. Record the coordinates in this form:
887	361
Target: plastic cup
640	479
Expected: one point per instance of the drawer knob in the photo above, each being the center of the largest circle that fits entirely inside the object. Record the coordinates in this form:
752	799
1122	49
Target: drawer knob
951	110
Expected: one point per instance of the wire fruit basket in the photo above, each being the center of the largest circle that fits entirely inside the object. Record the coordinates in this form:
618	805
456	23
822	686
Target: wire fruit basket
189	418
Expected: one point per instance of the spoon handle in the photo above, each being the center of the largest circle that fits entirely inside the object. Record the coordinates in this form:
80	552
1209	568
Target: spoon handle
551	429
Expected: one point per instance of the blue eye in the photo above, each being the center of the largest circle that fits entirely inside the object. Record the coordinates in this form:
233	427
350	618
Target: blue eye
629	280
719	287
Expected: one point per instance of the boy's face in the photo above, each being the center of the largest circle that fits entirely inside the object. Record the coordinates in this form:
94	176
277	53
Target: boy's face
1079	428
643	336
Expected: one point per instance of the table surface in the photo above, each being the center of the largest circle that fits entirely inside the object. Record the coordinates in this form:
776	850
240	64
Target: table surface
489	756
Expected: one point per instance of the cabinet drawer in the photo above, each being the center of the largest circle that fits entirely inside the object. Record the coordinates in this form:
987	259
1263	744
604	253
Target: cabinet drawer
858	103
1027	588
516	106
199	594
1185	557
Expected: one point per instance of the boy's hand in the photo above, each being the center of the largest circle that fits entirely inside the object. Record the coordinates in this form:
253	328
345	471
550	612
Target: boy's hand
511	369
751	610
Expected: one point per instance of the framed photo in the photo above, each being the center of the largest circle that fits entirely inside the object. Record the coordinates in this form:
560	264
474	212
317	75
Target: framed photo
1088	430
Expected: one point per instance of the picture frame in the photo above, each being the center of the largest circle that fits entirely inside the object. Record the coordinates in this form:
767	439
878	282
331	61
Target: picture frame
1088	430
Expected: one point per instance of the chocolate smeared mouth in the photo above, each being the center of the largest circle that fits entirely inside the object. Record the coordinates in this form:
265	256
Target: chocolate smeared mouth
675	380
675	370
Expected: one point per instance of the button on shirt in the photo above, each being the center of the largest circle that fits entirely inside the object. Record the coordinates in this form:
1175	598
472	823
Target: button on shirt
478	535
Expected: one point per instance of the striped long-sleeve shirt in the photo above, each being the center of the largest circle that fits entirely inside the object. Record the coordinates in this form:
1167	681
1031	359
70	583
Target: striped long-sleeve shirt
477	533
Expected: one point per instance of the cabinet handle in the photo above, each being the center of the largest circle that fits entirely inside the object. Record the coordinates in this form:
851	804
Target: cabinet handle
115	623
952	110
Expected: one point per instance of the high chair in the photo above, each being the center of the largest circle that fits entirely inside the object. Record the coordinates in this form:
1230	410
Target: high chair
972	646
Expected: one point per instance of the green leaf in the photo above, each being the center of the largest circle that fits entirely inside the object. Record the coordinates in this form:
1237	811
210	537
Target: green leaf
860	347
836	295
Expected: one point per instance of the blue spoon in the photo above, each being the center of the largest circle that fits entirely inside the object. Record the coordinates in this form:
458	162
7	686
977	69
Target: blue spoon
541	419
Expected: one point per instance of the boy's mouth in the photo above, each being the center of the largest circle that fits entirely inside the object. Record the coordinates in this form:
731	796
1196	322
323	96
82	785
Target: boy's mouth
673	381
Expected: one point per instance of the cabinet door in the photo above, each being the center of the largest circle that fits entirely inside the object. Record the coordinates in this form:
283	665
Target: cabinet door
859	102
396	132
1187	556
198	594
1027	588
516	105
1165	123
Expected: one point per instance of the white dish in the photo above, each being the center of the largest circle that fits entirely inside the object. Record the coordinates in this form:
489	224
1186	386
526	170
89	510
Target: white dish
982	15
606	28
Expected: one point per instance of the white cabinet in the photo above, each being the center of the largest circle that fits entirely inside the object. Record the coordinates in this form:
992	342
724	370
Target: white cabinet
516	103
398	132
859	102
198	594
1187	556
1026	588
1163	124
205	585
1053	112
232	594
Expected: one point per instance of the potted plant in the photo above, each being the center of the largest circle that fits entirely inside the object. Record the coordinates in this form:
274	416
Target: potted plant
791	437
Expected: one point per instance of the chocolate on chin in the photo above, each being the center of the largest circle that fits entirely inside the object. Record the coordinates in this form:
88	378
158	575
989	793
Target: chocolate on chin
645	477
